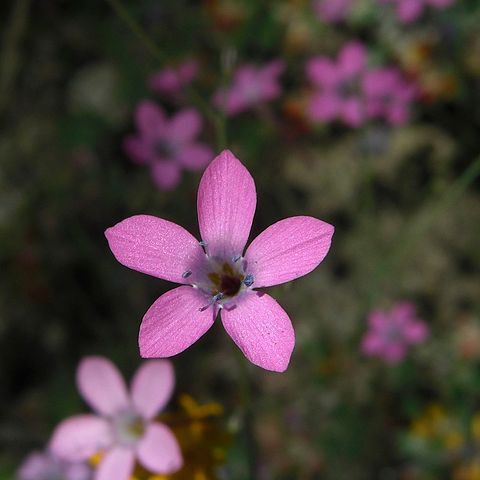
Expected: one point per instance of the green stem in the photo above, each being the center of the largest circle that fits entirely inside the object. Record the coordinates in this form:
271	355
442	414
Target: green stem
195	97
425	219
248	418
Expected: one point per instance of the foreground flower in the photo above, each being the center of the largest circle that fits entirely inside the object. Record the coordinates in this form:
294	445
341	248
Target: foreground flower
391	333
167	146
332	10
123	428
251	86
410	10
172	80
223	276
45	466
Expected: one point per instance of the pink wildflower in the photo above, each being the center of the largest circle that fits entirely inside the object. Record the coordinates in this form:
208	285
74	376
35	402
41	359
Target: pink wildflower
45	466
167	145
337	85
172	80
123	427
251	86
223	277
332	11
388	95
391	333
410	10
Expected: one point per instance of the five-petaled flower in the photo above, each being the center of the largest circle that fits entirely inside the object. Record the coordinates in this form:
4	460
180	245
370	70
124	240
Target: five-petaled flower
167	146
251	85
123	428
217	275
391	333
410	10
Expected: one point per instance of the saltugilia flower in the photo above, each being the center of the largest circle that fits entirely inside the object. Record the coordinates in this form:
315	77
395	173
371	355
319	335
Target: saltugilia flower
332	11
172	80
251	85
124	428
391	333
203	439
46	466
217	275
167	145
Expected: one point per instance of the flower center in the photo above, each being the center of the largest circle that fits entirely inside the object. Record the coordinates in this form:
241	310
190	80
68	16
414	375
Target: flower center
128	428
222	280
164	149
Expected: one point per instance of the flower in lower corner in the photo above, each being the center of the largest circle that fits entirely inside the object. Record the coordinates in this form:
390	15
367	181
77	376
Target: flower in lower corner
216	273
167	145
391	333
123	427
46	466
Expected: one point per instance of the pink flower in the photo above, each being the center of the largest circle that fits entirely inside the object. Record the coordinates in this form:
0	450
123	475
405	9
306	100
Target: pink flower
251	86
410	10
167	145
45	466
391	333
172	80
123	426
332	10
337	86
222	277
388	95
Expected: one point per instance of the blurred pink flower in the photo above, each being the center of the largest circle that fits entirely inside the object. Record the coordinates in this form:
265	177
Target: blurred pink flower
123	428
332	10
172	80
167	145
410	10
391	333
251	85
223	277
45	466
388	95
338	93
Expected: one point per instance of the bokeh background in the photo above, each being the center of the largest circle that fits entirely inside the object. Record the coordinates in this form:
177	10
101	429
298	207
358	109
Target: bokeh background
403	195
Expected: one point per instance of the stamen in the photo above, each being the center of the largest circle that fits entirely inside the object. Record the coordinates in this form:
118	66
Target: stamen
236	258
186	274
248	281
213	300
202	243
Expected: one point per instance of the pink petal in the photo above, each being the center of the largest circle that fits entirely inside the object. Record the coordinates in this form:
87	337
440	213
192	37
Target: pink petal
394	353
352	59
155	246
152	387
78	438
174	322
117	464
410	10
185	126
226	205
102	386
353	112
416	332
158	451
149	118
322	72
261	329
323	107
137	149
372	343
287	250
165	81
166	175
195	156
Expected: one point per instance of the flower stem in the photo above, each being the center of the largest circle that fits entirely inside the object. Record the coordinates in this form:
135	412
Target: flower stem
216	119
248	419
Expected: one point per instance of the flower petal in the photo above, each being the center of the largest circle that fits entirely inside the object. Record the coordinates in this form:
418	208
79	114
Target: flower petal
261	329
158	451
166	174
174	322
102	386
287	250
226	205
137	149
195	156
185	126
155	246
117	464
152	387
149	118
78	438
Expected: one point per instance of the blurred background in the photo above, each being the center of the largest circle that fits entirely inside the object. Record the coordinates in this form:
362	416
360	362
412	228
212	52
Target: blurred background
363	113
